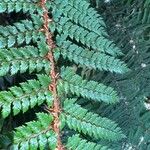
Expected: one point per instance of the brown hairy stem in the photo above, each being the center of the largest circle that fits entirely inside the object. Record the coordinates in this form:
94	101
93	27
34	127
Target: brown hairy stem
55	110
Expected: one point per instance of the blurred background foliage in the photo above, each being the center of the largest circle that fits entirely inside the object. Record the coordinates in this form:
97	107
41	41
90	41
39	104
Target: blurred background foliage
128	24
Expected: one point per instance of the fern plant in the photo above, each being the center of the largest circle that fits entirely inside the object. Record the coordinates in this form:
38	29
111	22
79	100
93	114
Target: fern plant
53	34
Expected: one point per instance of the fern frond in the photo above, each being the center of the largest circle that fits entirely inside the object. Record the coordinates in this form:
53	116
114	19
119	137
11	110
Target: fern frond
84	7
86	37
18	5
77	143
29	94
20	33
79	119
90	59
35	134
30	58
89	89
79	12
43	33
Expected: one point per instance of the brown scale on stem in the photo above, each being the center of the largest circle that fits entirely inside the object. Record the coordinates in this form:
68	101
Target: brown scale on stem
55	110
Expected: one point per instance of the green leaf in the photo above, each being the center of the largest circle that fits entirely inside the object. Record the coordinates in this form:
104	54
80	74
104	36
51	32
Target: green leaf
29	94
88	123
34	134
88	89
75	142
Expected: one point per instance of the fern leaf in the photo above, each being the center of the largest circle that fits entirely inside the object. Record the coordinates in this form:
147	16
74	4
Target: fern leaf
35	134
29	94
86	37
30	58
20	33
84	7
18	5
79	119
90	59
77	143
89	89
79	12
